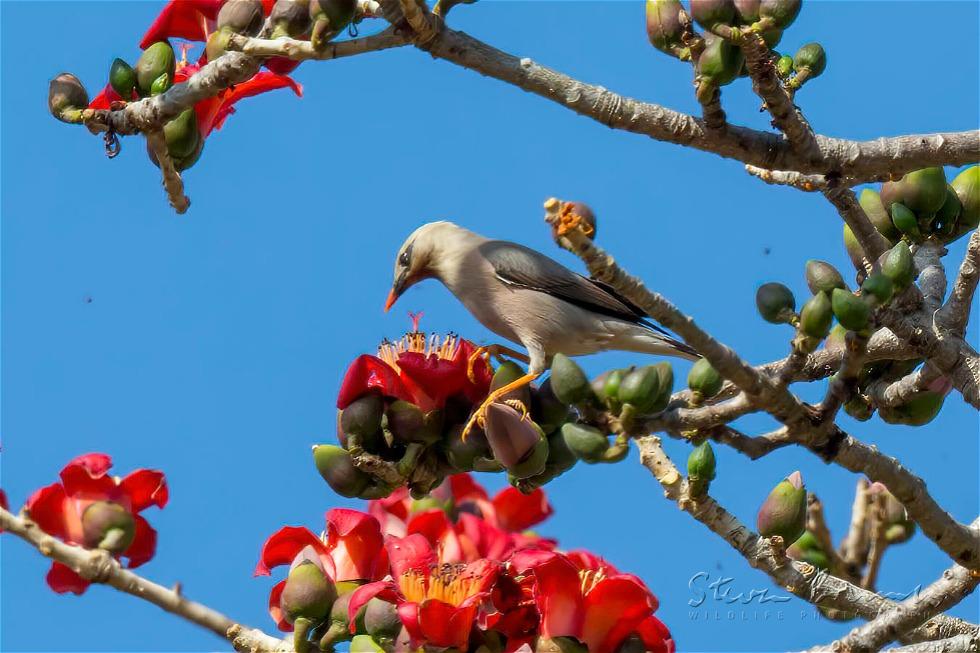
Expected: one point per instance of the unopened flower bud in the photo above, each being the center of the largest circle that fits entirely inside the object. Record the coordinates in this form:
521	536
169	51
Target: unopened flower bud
408	423
548	412
365	644
508	372
329	18
817	316
780	13
720	62
381	620
309	593
664	27
704	380
870	201
851	311
905	221
586	442
898	265
65	92
784	65
967	188
784	511
640	390
823	277
569	382
337	469
811	58
241	16
122	78
108	525
290	18
516	441
700	468
709	13
361	420
775	302
156	60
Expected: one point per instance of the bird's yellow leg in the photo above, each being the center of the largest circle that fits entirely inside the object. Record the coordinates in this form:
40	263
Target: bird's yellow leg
494	351
478	415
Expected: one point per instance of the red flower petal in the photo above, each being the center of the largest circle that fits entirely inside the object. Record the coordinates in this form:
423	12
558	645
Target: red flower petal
559	597
284	545
62	579
47	508
3	503
187	19
86	477
215	113
434	524
412	552
614	608
442	624
105	98
586	560
145	488
382	589
366	373
275	607
392	511
96	464
281	65
517	511
409	615
356	545
484	375
144	544
655	636
480	539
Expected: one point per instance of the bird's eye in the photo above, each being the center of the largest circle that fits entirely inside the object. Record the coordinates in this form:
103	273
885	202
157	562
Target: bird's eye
403	259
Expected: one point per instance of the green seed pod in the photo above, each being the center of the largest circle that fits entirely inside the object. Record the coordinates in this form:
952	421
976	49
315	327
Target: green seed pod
850	310
709	13
870	201
241	16
812	58
817	316
329	18
548	412
586	442
898	266
878	286
560	457
720	62
381	620
967	187
362	419
859	408
640	389
66	92
533	462
924	191
612	383
704	380
780	13
109	526
122	78
784	511
666	374
408	423
182	134
905	221
854	250
365	644
309	593
507	372
775	302
823	277
337	469
700	468
156	60
664	27
569	382
290	18
784	66
160	84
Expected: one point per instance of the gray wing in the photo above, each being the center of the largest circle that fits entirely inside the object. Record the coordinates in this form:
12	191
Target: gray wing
523	267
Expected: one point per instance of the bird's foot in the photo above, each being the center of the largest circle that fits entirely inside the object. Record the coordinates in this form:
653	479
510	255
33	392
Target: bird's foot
488	352
478	418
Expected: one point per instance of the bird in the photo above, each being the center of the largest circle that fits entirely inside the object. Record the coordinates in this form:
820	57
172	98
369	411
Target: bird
527	298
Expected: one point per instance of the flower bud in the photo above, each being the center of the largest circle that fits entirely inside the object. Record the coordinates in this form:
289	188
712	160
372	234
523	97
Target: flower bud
182	134
569	382
408	423
156	60
664	27
666	373
339	619
784	65
108	525
817	316
891	192
309	593
513	438
337	469
462	455
362	420
548	412
919	410
898	266
66	92
870	201
859	408
780	13
507	372
784	511
606	386
967	188
290	18
122	78
905	221
948	215
700	468
241	16
746	11
329	18
851	311
704	380
823	277
720	62
365	644
924	191
709	13
775	302
586	442
879	286
854	250
811	58
640	389
381	620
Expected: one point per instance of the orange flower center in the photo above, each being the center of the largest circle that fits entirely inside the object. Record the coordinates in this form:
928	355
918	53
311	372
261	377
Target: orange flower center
442	347
450	583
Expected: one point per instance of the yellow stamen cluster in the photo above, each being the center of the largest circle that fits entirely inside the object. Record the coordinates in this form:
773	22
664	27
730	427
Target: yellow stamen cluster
450	583
590	578
417	343
569	220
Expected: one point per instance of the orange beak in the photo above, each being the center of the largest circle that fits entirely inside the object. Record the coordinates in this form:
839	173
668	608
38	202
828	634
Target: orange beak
392	298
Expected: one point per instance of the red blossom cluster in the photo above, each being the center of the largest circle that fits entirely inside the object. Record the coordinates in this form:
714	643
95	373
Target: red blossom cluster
456	569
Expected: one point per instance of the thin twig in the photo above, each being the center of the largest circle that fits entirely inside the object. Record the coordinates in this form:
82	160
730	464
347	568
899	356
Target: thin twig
800	181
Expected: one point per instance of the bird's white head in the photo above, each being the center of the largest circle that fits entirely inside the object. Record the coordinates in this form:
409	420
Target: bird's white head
422	253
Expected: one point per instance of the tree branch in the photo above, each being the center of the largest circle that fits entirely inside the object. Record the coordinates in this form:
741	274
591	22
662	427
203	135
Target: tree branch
846	203
957	644
172	182
303	50
955	315
800	181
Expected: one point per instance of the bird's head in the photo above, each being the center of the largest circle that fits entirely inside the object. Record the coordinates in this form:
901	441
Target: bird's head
419	257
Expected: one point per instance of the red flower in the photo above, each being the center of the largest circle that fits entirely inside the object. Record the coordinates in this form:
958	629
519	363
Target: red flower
3	503
516	511
596	605
438	602
192	20
106	97
92	509
423	372
352	548
655	636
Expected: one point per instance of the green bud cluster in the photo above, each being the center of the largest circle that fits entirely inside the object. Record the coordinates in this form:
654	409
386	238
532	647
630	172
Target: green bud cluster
700	469
783	513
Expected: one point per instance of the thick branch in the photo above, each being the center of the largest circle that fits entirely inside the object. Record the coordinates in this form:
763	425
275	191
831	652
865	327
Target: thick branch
956	313
99	567
303	50
956	644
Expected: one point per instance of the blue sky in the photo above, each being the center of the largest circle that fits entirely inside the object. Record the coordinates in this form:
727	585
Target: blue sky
213	343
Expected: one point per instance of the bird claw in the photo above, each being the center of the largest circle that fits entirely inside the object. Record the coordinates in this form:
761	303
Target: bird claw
488	352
